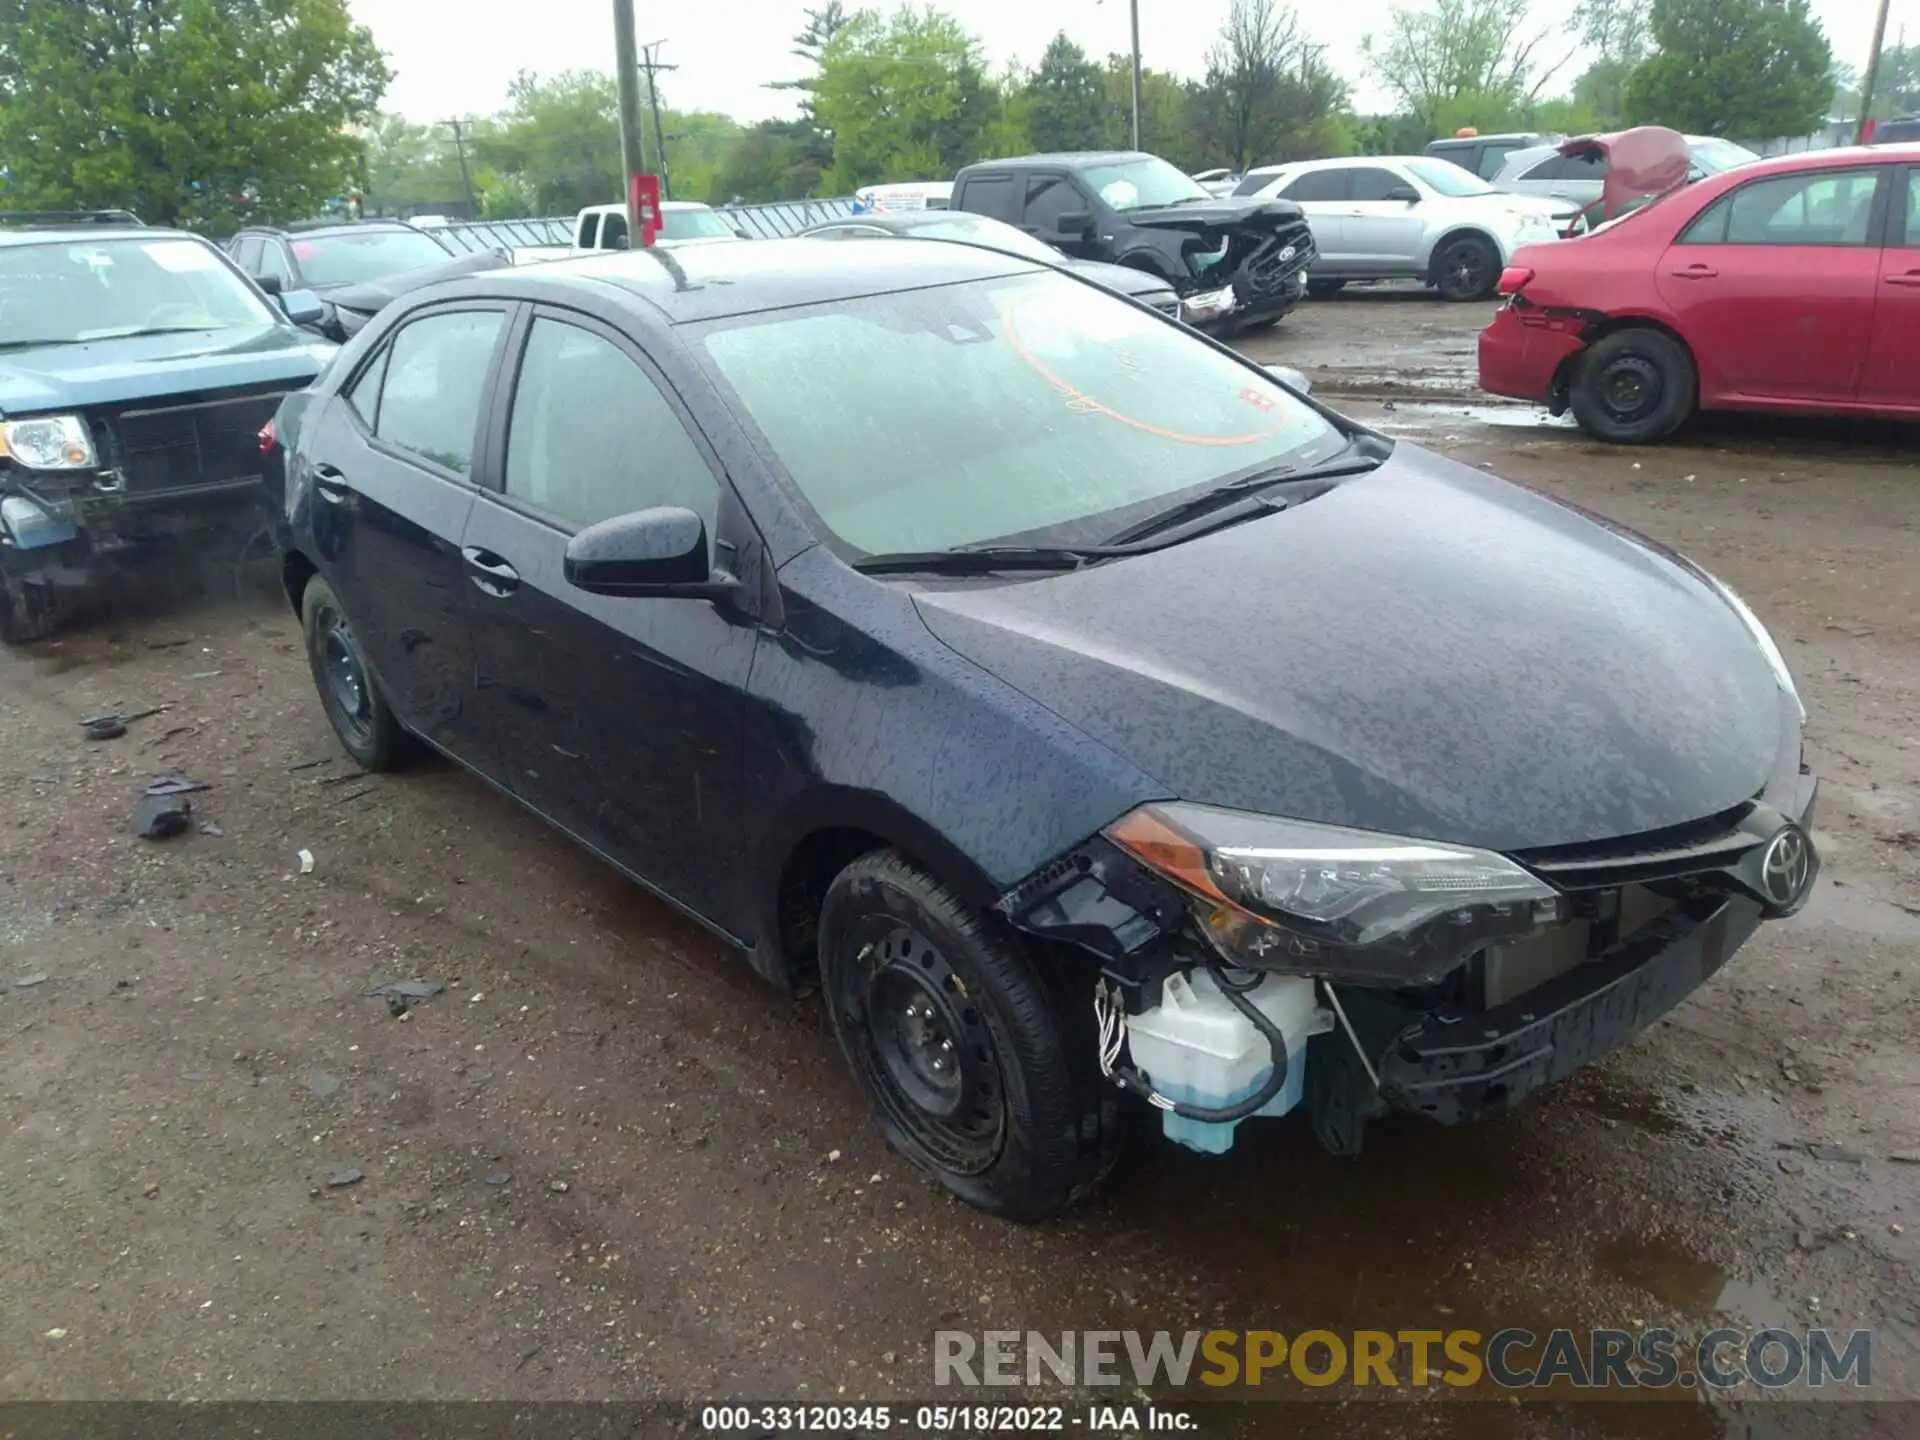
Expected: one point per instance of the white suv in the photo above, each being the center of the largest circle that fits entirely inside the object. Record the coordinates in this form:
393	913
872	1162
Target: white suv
1398	217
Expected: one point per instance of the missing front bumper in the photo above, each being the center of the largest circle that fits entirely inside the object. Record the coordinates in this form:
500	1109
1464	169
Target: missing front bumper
1455	1067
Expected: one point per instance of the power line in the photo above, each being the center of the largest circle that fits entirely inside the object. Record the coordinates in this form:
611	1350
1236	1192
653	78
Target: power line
459	143
654	68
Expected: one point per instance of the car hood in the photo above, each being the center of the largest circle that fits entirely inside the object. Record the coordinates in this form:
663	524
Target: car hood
1426	651
107	372
369	297
1123	278
1202	217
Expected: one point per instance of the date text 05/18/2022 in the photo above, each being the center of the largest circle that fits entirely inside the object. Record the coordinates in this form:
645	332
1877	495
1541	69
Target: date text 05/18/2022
943	1419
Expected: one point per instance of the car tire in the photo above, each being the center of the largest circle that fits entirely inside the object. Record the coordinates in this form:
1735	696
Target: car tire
362	720
1633	387
1467	268
28	611
1324	289
981	1068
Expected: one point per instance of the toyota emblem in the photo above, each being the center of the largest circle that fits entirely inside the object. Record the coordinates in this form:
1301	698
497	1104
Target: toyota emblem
1289	252
1786	867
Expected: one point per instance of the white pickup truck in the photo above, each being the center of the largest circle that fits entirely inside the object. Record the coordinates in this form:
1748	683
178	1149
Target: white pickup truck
682	222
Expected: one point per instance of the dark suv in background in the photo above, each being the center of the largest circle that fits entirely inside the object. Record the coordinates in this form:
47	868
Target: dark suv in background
1485	154
1236	264
332	256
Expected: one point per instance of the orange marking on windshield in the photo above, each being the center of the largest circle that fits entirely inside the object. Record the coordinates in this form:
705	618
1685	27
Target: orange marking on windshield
1082	403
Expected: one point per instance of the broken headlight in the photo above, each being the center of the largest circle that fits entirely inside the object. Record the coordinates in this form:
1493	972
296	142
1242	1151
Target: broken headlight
1273	894
51	442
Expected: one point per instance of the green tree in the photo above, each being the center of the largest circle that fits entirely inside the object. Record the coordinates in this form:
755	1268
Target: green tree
774	160
560	136
1618	33
1745	69
1268	95
1168	114
193	112
905	97
409	164
1065	101
1484	57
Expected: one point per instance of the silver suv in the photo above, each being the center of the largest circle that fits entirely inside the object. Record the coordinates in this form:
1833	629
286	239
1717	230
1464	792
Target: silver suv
1399	217
1579	180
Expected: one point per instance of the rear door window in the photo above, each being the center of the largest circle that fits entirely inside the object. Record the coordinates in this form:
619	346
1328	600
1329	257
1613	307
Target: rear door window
1492	157
991	195
246	253
436	373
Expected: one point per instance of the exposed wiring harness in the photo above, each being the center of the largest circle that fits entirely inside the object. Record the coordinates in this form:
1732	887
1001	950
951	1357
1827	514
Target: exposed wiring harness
1110	1012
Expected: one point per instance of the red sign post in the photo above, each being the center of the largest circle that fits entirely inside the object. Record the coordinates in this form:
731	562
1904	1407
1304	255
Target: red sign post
644	201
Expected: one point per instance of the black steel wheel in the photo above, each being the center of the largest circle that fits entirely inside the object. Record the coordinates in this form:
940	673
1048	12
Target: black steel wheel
1634	386
361	718
968	1055
1467	269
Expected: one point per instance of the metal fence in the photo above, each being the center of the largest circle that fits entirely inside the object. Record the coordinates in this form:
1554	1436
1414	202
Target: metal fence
761	222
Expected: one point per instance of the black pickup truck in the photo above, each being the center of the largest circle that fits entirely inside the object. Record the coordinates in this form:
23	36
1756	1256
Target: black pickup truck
1237	264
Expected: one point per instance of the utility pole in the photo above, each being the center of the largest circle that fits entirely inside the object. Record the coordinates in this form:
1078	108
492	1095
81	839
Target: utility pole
654	68
460	128
1873	75
626	69
1134	7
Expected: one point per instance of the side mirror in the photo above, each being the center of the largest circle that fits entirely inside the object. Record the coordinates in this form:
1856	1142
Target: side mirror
269	283
660	552
742	234
1291	378
302	307
1075	224
1404	193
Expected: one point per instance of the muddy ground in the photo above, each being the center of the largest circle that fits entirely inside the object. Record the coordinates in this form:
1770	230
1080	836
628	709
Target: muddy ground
607	1163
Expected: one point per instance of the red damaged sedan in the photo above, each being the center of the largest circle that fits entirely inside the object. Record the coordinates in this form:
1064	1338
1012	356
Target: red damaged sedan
1790	284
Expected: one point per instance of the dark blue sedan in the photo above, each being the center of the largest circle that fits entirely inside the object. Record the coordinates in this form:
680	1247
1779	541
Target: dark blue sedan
1090	716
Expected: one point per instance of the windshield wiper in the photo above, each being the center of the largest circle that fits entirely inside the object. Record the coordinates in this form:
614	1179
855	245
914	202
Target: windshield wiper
37	344
1350	461
988	559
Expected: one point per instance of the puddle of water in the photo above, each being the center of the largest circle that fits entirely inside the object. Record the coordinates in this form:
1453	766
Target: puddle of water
1665	1271
1847	908
1425	418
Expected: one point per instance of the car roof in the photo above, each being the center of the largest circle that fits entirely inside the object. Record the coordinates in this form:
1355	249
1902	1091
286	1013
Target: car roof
68	234
307	229
1462	141
619	207
1067	159
712	282
1293	166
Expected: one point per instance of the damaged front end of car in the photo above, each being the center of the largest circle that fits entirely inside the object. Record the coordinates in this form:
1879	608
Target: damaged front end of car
1250	964
1243	262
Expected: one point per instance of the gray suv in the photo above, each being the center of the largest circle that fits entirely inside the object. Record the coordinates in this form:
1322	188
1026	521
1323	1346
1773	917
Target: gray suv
1483	155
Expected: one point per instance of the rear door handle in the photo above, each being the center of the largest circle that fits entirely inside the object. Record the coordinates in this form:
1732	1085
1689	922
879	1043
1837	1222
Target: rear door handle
487	570
1696	272
332	485
1908	278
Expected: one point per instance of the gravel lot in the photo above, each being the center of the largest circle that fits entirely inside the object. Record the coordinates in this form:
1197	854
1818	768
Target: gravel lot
606	1162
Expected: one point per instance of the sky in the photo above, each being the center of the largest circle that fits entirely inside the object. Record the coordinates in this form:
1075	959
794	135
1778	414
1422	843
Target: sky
727	50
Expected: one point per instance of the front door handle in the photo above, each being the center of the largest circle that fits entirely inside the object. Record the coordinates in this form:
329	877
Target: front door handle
1908	278
1696	272
487	570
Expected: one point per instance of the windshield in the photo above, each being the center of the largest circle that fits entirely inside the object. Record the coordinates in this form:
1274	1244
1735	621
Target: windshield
76	290
1142	184
1446	178
352	257
982	231
693	225
1713	156
1030	408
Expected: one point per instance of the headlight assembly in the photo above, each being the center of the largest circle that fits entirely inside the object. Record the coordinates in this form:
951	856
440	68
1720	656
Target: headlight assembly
49	442
1273	894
